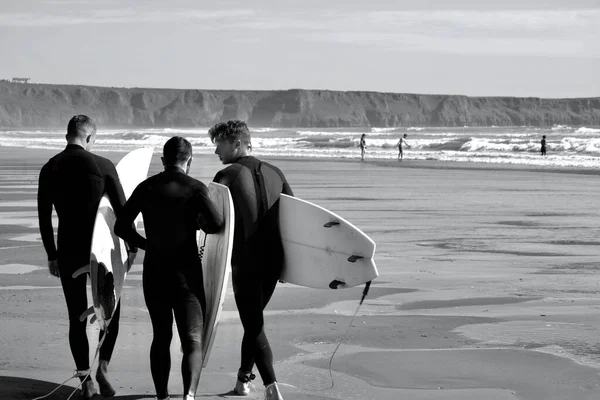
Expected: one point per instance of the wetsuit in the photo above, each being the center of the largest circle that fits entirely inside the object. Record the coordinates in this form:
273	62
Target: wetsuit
543	149
73	182
174	206
257	256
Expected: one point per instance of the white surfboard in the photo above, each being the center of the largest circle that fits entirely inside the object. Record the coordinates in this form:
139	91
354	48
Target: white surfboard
108	256
216	264
321	249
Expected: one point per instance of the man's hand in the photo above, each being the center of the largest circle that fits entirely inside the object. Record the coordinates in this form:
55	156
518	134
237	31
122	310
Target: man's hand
53	268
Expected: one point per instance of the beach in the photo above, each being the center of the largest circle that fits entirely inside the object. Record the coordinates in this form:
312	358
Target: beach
488	288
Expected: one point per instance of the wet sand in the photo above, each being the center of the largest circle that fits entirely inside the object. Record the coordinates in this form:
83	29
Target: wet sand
488	289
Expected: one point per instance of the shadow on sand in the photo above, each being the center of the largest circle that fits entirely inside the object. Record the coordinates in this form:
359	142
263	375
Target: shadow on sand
15	388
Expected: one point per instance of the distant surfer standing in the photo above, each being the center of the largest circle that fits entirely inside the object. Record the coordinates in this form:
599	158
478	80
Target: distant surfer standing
174	206
543	143
399	145
257	257
363	146
73	182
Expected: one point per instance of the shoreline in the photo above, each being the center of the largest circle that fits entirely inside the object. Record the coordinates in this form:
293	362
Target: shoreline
406	163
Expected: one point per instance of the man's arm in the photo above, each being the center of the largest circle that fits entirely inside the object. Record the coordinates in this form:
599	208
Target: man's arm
209	218
114	190
44	202
124	227
116	196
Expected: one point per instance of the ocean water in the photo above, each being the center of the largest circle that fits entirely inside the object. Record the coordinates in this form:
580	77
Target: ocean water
566	146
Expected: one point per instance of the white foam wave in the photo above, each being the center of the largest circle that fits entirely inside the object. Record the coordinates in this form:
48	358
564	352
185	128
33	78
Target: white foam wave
580	147
585	131
378	130
557	127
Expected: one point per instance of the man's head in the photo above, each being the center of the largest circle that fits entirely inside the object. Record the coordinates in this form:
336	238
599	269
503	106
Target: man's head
544	137
232	139
177	152
81	131
405	135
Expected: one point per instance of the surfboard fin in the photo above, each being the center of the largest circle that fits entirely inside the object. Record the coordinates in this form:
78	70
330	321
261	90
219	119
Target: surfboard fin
81	271
86	313
330	224
354	258
334	284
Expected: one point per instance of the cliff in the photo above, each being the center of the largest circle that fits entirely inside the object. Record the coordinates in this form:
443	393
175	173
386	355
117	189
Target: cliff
47	106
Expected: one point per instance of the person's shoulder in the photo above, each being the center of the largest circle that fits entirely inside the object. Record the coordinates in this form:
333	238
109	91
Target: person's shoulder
106	166
229	175
195	183
232	170
54	161
101	160
273	167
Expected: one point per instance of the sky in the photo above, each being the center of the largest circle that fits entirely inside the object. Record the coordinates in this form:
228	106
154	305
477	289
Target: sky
532	48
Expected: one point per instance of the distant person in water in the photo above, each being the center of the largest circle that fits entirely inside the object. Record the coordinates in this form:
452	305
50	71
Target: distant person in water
363	146
73	182
543	149
399	145
174	206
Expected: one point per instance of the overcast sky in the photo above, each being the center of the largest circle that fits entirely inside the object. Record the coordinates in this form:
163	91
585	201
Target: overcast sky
544	48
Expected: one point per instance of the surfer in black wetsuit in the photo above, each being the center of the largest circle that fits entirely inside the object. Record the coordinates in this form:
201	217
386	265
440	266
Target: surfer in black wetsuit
174	206
257	257
363	146
543	143
73	182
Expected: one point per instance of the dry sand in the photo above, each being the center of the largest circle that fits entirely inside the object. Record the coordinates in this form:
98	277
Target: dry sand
488	289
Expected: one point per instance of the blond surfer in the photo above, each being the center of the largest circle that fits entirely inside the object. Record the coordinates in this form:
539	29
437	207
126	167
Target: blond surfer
257	257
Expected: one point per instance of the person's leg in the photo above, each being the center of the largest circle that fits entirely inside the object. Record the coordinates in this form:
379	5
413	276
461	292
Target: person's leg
251	298
157	297
75	293
108	346
189	309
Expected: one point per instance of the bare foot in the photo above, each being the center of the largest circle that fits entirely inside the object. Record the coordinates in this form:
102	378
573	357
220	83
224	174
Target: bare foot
106	389
88	390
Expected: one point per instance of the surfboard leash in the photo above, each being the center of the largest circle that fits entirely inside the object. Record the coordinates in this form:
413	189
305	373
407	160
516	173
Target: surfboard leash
201	248
78	374
364	295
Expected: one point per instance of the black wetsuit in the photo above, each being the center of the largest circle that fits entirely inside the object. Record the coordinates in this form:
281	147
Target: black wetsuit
73	182
257	257
174	206
543	149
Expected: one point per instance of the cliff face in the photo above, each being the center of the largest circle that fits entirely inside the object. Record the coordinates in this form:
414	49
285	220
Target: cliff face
46	106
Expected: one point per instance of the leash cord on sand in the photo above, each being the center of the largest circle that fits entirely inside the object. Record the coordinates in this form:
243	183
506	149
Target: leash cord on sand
78	374
365	292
